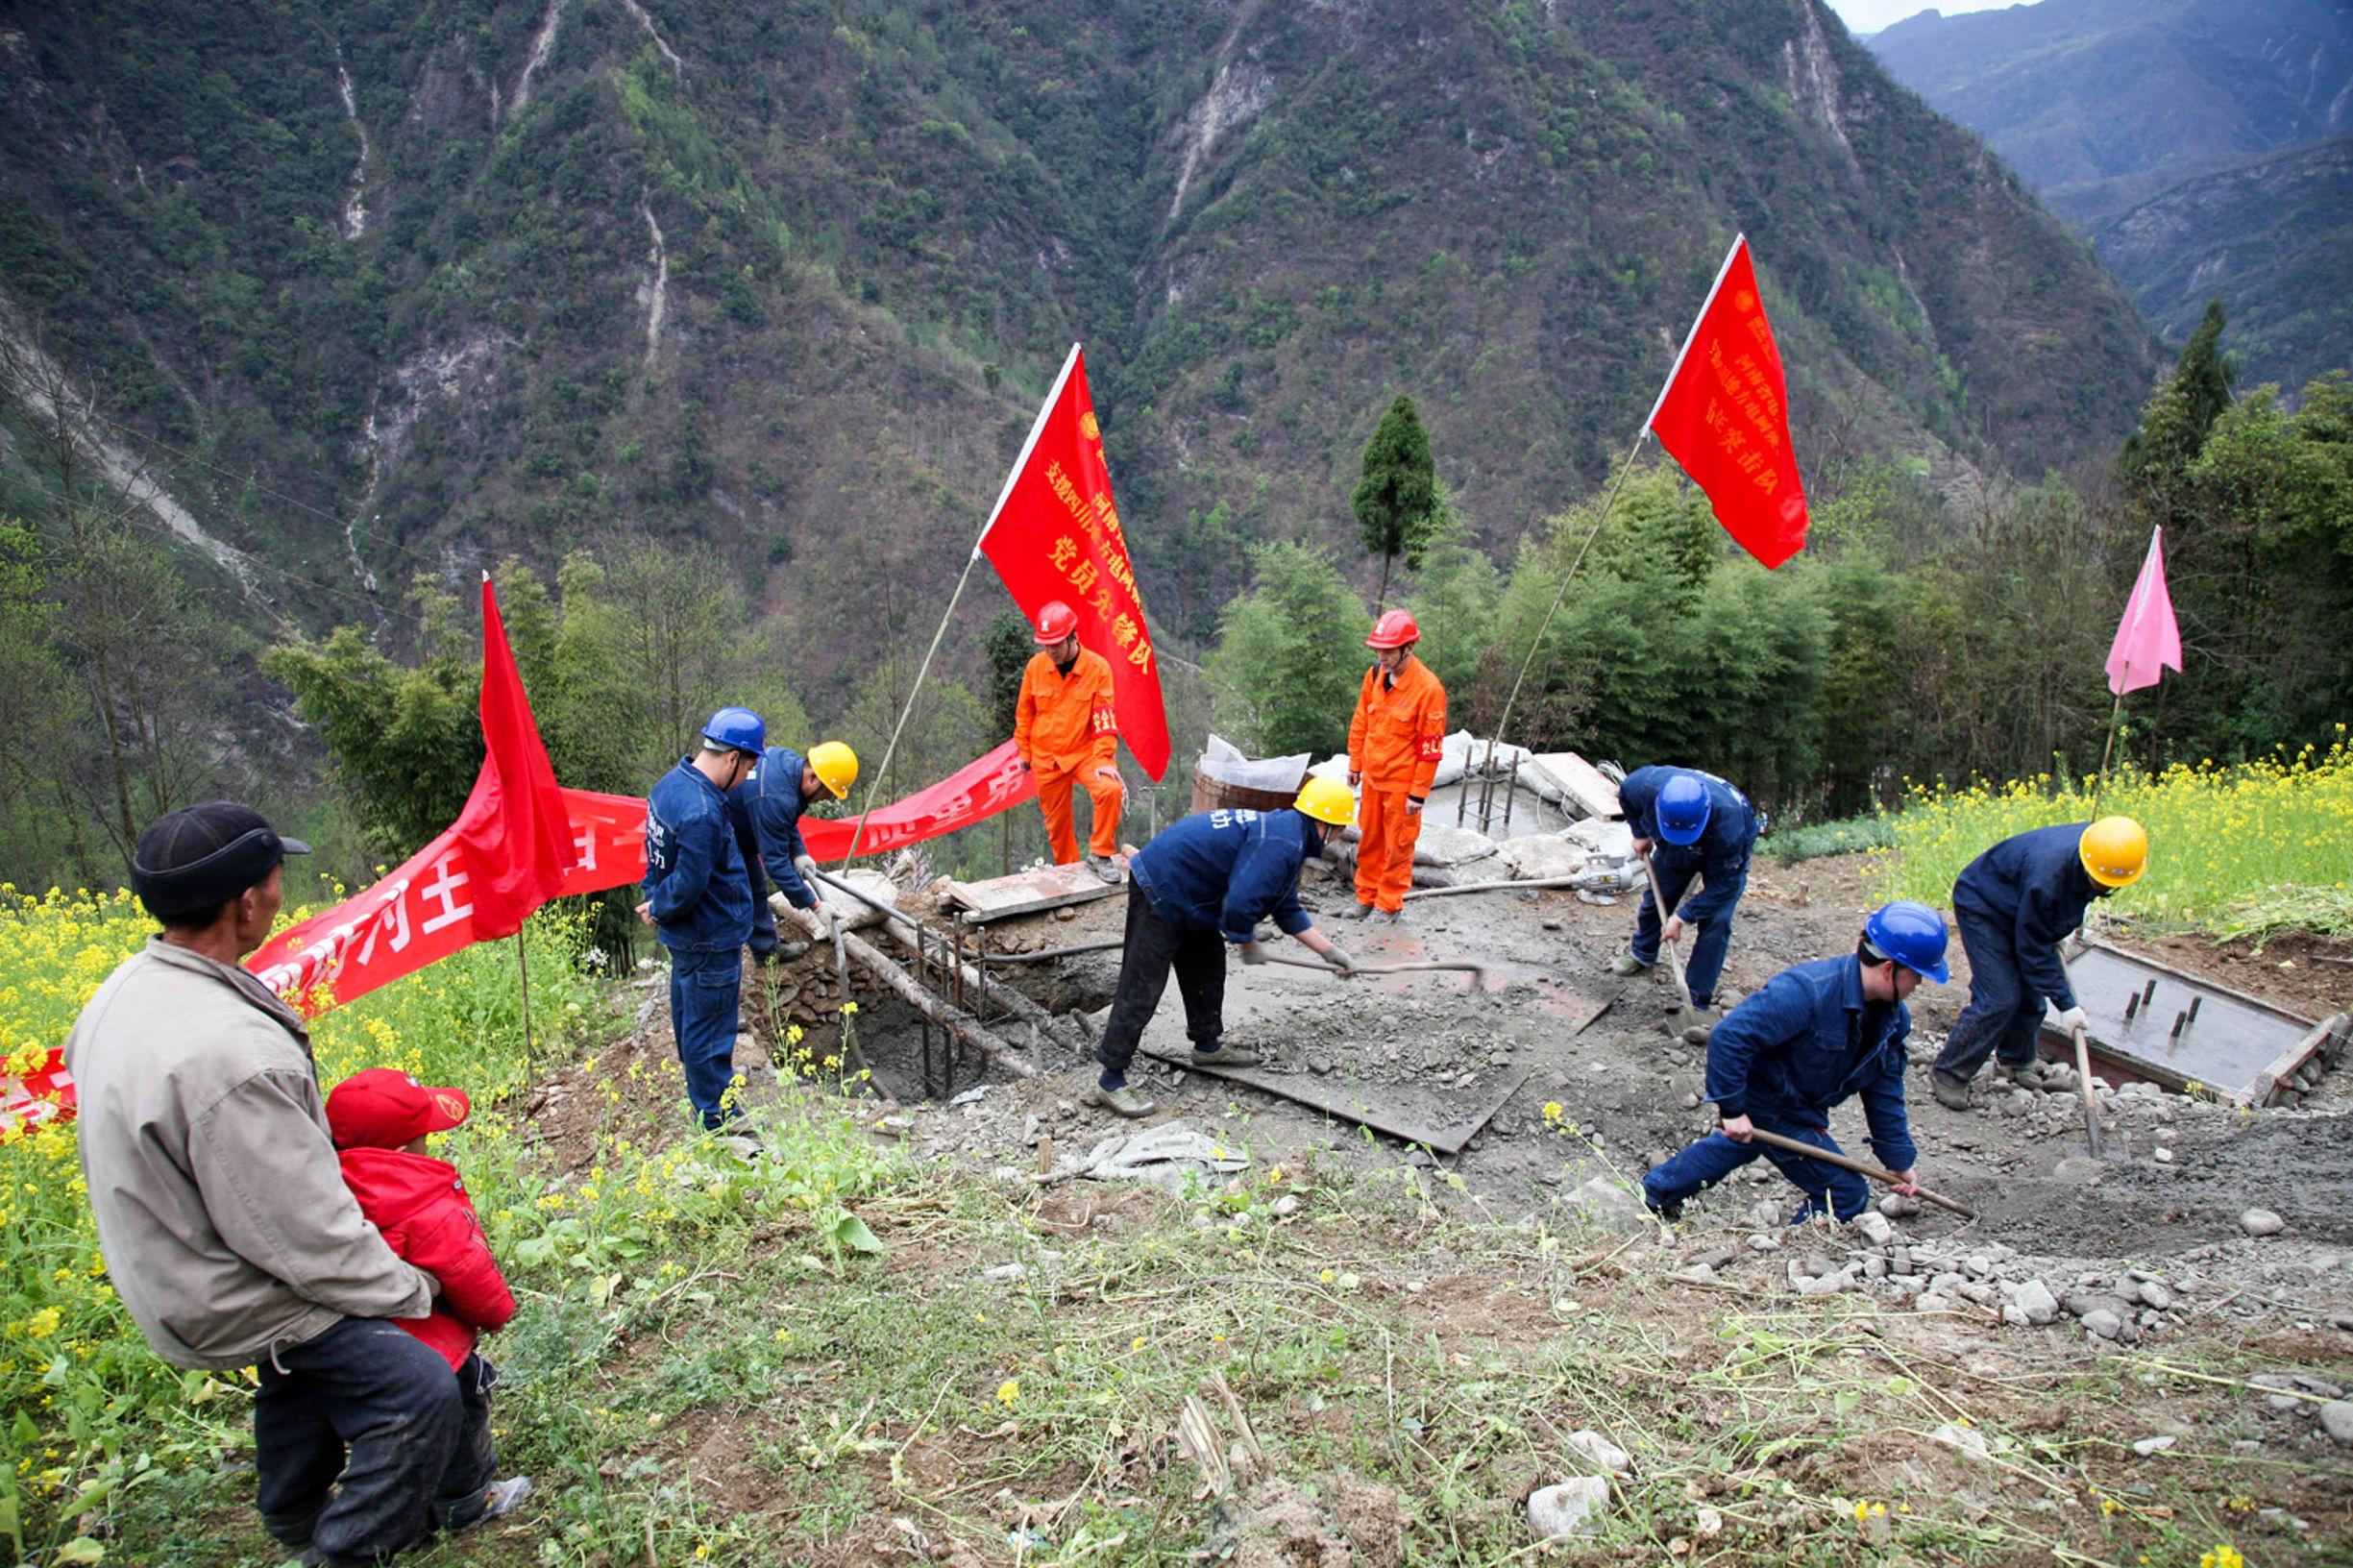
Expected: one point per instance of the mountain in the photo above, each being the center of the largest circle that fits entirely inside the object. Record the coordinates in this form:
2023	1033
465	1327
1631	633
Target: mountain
2130	117
401	288
2275	234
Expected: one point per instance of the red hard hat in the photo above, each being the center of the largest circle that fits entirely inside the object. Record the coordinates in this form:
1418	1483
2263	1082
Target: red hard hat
1394	629
1055	621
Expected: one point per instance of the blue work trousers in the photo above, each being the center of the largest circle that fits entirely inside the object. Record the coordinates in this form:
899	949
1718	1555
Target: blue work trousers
705	993
1710	937
762	926
364	1440
1715	1157
2004	1013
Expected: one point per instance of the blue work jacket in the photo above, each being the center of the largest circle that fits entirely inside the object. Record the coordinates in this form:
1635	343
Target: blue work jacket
1796	1048
1226	870
1720	855
765	810
694	872
2035	887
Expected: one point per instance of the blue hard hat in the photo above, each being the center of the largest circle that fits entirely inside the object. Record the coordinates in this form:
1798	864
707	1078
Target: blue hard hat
1911	934
1683	806
739	729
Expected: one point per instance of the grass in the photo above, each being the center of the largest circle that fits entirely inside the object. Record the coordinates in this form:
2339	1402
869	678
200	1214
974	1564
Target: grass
2248	850
1845	837
806	1360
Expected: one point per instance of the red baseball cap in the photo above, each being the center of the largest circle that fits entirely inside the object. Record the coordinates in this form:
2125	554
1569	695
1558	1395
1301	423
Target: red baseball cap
384	1108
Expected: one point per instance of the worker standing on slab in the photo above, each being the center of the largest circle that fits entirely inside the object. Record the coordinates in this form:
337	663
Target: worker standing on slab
1202	885
1394	744
1810	1037
2015	904
1689	823
699	897
764	811
1067	731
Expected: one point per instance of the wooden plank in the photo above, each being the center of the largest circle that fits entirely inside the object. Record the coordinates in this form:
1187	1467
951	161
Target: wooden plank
1580	781
1414	1115
1027	892
2265	1087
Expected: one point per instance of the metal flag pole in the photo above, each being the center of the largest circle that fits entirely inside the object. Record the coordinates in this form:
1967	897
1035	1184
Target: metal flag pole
882	774
1487	786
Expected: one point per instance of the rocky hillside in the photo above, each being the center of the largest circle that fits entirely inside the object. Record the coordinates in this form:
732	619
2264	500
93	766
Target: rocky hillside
396	288
2274	233
2105	106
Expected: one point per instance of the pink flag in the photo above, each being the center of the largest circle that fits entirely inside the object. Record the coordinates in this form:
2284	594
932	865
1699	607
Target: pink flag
2148	638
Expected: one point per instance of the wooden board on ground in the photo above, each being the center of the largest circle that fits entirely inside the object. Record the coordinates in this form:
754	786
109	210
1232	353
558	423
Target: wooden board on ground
1583	783
1026	892
2237	1047
1409	1112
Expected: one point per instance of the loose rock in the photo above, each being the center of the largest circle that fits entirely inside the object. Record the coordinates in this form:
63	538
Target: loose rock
2035	1300
2260	1222
2103	1323
2337	1420
1574	1508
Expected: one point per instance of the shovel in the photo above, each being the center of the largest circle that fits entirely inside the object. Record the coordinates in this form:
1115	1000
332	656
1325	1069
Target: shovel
2083	1079
1674	954
1477	973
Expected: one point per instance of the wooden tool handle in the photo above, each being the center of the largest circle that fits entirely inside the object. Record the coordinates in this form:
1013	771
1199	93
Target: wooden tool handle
1859	1167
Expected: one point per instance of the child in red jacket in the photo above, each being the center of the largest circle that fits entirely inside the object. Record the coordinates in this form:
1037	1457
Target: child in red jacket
379	1121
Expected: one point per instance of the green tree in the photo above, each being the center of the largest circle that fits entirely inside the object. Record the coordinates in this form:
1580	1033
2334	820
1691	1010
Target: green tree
2175	424
1289	655
1396	496
1008	647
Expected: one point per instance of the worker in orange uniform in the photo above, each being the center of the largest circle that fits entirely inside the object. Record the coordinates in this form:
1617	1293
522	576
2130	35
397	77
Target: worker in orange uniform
1393	747
1066	732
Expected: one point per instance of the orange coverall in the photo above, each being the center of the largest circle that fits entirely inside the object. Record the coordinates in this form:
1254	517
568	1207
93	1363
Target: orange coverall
1394	743
1067	731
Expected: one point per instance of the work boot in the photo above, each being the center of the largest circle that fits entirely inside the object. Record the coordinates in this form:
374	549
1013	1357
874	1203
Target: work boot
1952	1094
1385	917
499	1499
2026	1074
1226	1056
1627	964
784	952
1355	912
1123	1101
1102	867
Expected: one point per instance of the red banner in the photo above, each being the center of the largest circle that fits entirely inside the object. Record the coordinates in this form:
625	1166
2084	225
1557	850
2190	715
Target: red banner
1056	535
1725	417
426	909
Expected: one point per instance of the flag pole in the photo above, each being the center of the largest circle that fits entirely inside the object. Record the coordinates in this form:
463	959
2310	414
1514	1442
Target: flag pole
522	966
1487	784
2116	721
1038	427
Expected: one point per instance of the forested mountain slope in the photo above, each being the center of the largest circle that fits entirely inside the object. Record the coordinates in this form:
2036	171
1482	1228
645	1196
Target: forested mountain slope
408	286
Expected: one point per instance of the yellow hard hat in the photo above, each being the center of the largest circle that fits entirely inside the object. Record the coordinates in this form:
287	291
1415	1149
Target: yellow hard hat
1329	801
835	765
2115	852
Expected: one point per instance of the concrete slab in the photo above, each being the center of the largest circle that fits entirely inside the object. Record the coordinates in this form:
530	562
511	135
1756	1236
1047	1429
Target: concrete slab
2236	1045
1028	893
1580	781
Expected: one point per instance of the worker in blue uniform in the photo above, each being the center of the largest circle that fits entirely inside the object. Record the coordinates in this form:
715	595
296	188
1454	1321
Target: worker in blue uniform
699	899
1811	1037
1201	886
1691	824
2015	903
765	811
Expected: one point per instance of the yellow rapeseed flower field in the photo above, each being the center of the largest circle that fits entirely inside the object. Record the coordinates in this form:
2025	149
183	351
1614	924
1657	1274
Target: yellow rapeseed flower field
2251	848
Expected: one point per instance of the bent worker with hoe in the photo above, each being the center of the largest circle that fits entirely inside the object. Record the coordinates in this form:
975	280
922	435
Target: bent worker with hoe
2015	903
1202	885
1689	824
1812	1036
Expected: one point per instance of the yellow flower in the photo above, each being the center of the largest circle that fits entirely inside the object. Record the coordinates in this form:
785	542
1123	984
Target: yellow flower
1009	1392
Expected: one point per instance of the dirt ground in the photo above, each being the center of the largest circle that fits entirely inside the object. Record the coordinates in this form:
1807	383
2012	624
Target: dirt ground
1610	1054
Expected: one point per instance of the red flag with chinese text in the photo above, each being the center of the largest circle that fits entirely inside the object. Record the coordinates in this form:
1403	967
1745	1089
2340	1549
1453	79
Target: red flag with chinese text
1056	535
1725	416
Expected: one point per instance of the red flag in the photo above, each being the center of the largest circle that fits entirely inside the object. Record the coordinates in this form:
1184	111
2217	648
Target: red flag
2148	638
1056	534
514	822
1724	414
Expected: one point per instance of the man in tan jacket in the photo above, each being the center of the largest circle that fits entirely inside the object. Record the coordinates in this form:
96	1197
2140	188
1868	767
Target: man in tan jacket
226	1224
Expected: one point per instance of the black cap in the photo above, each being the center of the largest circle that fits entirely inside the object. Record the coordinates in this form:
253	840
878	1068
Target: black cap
201	856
